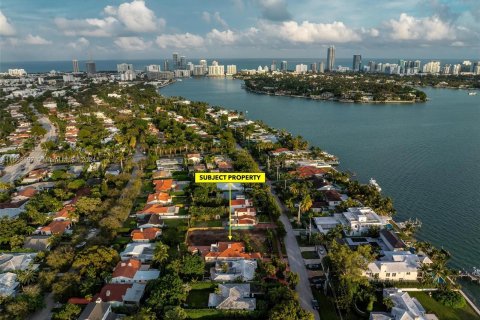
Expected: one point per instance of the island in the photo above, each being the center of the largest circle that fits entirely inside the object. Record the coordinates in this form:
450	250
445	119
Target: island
358	88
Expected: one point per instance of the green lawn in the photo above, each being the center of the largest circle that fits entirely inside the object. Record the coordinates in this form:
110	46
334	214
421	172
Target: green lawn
210	314
181	176
198	295
444	312
206	224
327	308
310	255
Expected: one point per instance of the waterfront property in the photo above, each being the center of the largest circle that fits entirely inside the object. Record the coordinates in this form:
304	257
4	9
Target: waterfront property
397	266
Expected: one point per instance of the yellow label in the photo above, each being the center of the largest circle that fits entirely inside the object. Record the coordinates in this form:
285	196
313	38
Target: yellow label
232	177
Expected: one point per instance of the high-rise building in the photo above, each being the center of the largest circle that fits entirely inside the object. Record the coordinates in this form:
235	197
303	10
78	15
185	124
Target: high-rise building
17	72
301	68
417	64
216	70
456	69
175	61
466	66
447	69
284	66
75	66
123	67
166	66
431	67
321	67
182	63
331	58
91	68
231	69
476	68
153	68
313	67
357	63
273	67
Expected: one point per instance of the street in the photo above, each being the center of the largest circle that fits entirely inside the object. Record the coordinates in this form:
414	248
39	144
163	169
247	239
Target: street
295	260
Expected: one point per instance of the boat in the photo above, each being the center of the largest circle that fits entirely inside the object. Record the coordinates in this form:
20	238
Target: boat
472	93
374	183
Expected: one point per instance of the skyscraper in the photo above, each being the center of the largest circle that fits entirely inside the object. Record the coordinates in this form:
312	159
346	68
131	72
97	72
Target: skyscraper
175	60
91	68
75	66
331	58
165	65
321	67
284	66
357	63
123	67
313	67
182	64
273	67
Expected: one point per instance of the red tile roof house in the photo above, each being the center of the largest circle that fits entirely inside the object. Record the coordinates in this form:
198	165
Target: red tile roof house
118	294
159	198
279	151
55	228
133	271
66	214
226	250
35	176
145	234
24	194
306	172
240	203
158	209
244	217
164	185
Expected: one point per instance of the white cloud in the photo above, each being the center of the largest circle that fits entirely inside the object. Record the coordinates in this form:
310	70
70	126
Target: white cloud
219	20
226	37
36	40
180	41
132	43
138	18
79	44
110	10
427	28
6	28
206	17
308	32
458	44
87	27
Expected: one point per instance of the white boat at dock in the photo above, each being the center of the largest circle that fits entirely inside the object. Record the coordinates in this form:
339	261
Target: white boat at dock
472	93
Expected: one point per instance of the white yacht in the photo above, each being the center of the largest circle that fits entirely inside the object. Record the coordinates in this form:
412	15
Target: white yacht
472	93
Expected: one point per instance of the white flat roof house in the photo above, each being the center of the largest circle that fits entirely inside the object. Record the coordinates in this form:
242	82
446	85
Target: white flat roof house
233	296
139	251
396	266
361	219
231	270
405	307
325	224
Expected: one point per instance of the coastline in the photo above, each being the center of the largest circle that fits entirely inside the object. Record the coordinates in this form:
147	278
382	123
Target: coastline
307	98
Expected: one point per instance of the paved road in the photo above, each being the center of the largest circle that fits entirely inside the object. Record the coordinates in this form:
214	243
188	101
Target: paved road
46	312
35	157
295	260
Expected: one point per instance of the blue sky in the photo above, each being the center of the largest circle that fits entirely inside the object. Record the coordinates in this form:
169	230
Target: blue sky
136	29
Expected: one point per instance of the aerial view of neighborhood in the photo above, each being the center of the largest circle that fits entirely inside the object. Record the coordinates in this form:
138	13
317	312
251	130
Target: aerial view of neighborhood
135	187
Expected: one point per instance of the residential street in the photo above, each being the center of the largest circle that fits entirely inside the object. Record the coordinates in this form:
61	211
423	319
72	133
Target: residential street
295	261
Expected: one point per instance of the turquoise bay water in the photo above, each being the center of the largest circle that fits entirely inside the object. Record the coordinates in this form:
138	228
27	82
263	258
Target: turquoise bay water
425	156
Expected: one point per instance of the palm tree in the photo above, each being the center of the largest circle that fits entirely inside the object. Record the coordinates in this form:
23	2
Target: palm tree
26	277
304	205
160	255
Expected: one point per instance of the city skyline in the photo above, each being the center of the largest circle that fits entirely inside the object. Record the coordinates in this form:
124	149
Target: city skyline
272	28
